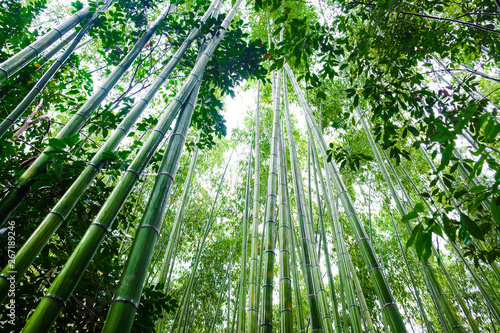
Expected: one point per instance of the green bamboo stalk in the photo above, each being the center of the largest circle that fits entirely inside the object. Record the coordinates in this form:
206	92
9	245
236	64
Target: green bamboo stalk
66	281
253	285
243	267
26	55
270	216
333	296
344	271
295	272
451	282
441	297
128	293
18	193
383	291
28	252
478	243
53	51
235	320
295	248
285	288
201	245
173	237
316	309
490	302
46	77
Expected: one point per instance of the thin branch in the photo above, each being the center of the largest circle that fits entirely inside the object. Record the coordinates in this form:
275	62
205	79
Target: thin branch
437	18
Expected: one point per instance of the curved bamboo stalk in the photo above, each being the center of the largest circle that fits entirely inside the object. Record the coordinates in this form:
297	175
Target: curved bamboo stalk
389	307
66	281
316	307
253	285
23	57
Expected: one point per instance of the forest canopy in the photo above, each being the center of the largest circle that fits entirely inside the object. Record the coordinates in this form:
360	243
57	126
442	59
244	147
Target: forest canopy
261	166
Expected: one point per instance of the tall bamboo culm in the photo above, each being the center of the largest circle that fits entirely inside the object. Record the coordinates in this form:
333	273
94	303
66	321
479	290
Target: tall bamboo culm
173	235
253	287
384	294
344	272
285	286
243	267
128	293
428	270
271	216
316	314
66	281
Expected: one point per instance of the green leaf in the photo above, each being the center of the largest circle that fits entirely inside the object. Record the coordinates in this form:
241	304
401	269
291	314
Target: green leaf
449	229
419	207
446	156
495	210
477	189
56	143
471	226
410	216
416	230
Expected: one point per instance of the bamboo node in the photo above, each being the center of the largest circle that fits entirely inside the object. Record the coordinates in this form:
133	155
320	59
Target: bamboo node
134	172
166	174
123	300
100	225
371	269
150	227
58	214
388	304
56	298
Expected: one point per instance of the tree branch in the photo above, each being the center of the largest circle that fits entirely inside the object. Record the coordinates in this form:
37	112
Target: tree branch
437	18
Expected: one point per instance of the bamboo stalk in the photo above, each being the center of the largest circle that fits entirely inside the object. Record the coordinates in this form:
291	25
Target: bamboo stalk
46	77
208	227
341	251
428	270
285	287
316	310
389	307
254	287
270	216
128	293
242	294
176	227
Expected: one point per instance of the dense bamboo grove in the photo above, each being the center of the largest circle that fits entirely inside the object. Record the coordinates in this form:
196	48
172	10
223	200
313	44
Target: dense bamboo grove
266	166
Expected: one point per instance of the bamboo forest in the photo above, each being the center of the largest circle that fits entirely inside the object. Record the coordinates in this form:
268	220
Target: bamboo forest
248	166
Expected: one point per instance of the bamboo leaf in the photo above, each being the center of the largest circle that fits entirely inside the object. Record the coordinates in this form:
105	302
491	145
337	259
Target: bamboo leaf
471	226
